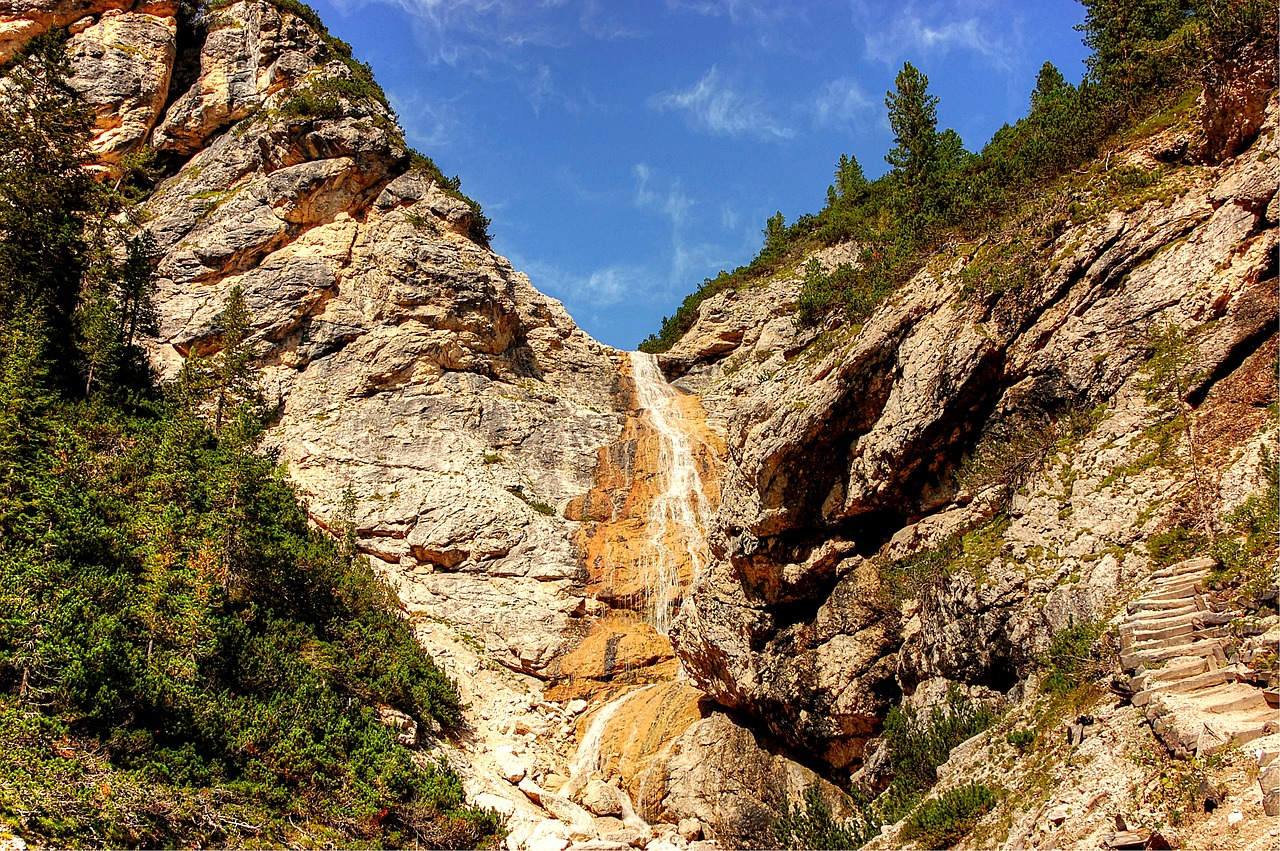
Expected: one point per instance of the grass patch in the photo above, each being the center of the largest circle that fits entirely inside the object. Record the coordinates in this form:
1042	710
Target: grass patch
911	577
1022	740
1176	544
1247	554
531	501
917	746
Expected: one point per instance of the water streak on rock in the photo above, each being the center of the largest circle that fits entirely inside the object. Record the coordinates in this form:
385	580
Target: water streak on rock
678	514
586	760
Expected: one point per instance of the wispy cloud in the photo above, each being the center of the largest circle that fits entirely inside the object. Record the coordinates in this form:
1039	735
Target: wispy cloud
715	107
480	33
842	103
770	23
601	288
690	256
670	201
934	27
429	124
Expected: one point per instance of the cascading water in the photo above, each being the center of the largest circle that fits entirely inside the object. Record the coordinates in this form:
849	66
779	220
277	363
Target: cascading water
680	510
673	552
587	759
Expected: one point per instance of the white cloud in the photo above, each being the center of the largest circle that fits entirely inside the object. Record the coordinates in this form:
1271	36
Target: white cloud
771	23
841	103
540	89
933	27
690	258
729	217
671	202
602	288
429	124
716	108
479	33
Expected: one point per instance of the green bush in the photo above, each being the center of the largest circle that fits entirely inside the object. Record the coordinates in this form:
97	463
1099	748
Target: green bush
1022	739
1248	550
945	820
917	746
479	228
323	97
811	825
914	576
1074	658
1176	544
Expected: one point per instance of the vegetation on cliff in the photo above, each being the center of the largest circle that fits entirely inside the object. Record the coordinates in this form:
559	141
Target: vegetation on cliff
1145	56
182	659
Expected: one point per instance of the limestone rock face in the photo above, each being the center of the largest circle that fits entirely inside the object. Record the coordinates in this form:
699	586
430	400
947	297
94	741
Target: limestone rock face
843	444
123	63
251	50
1233	106
721	774
415	368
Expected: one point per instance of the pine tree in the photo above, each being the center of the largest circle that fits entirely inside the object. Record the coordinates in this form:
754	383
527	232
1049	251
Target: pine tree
45	195
1051	88
1124	37
775	232
913	115
850	181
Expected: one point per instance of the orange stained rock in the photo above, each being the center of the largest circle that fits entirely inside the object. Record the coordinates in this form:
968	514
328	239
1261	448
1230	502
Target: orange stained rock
615	646
615	536
640	737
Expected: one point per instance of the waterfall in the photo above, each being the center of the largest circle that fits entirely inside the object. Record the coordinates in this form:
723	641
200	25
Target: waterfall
586	760
679	512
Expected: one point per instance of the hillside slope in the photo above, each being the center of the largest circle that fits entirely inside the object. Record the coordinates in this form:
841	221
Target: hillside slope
997	458
412	365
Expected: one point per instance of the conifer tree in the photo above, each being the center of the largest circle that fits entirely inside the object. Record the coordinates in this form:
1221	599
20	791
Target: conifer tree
236	382
45	194
913	115
775	232
850	180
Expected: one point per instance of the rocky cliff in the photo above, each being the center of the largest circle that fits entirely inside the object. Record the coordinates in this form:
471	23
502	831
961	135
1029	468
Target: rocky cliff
918	501
998	423
412	365
499	466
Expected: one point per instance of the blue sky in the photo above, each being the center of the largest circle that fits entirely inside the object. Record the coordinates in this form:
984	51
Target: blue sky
626	150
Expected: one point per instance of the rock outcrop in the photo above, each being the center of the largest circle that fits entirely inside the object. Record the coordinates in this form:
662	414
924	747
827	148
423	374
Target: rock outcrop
844	444
415	369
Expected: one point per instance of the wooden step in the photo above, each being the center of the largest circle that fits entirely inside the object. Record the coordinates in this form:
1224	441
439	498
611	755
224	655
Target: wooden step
1173	671
1187	684
1199	563
1167	632
1231	698
1186	580
1163	594
1239	732
1172	607
1159	621
1160	643
1213	648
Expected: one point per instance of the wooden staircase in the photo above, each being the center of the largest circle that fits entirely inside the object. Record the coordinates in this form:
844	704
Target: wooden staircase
1175	647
